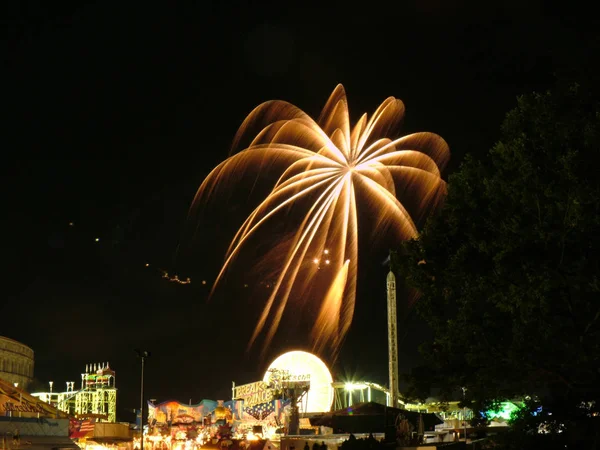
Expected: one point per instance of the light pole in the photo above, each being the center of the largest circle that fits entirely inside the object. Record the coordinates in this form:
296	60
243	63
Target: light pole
464	389
143	354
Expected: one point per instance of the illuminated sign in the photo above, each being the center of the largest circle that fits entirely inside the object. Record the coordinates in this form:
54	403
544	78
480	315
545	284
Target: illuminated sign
297	377
253	393
14	401
23	407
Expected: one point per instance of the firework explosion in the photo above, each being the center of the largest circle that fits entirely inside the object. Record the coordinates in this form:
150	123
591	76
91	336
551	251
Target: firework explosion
331	171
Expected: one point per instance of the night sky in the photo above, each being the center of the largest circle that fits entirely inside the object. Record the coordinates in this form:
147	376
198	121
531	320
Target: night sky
118	110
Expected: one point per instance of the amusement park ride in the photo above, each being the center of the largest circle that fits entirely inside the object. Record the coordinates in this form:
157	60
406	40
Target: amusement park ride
286	386
96	398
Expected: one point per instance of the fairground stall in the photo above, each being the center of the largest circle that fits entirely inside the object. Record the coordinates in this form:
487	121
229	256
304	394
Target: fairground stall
176	426
295	383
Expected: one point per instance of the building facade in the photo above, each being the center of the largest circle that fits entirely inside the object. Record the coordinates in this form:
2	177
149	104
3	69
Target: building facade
16	362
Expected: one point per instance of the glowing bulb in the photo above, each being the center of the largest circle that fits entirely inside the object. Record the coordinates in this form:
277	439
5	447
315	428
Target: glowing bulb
97	239
316	261
326	261
326	252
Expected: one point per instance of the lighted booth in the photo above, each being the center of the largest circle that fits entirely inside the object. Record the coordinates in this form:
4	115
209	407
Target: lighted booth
259	411
173	425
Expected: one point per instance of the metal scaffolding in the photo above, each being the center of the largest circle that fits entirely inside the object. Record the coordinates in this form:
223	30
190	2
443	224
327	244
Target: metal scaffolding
96	398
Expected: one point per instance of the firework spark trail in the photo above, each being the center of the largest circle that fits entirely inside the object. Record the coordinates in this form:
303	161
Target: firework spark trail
327	163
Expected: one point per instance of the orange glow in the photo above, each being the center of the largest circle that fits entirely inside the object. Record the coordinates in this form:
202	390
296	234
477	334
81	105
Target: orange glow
325	166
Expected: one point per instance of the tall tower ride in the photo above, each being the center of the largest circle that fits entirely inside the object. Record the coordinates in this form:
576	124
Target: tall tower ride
392	339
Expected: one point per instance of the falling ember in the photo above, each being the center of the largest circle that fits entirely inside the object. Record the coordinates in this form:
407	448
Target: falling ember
327	324
329	164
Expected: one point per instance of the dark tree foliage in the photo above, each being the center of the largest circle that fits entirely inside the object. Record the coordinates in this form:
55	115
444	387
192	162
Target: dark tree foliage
508	271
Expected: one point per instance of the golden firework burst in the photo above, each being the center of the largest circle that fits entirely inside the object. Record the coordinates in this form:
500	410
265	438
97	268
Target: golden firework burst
332	165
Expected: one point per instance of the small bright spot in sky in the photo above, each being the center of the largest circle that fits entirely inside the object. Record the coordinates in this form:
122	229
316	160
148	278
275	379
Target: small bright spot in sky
97	239
147	265
71	224
203	281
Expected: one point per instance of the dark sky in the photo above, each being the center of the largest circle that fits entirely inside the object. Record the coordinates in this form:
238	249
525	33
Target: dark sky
118	110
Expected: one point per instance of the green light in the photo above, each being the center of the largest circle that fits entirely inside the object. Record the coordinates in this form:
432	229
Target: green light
505	411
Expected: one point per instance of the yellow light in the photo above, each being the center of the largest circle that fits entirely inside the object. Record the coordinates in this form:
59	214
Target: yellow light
326	252
326	261
353	386
316	261
97	239
320	395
